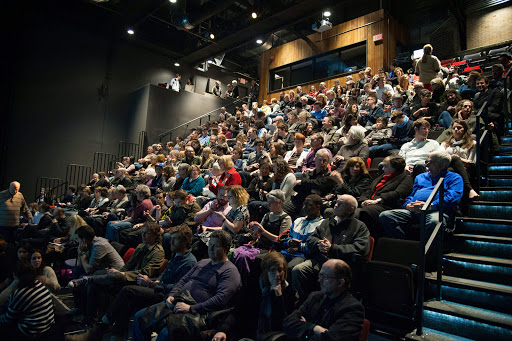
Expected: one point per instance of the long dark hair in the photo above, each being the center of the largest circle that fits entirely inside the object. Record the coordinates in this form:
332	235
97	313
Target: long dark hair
26	275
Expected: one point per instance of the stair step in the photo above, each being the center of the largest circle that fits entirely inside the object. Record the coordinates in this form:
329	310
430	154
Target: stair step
466	321
499	182
484	226
483	209
500	169
480	268
471	284
435	335
476	298
482	245
502	158
506	140
496	194
505	149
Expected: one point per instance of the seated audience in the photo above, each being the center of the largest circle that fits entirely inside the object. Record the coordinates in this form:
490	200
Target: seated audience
194	183
378	136
417	151
229	177
355	145
353	179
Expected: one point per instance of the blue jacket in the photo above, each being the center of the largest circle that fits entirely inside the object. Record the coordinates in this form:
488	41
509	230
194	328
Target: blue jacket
424	185
194	187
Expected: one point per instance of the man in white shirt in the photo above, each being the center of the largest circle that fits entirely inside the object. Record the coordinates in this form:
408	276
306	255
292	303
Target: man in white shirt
174	84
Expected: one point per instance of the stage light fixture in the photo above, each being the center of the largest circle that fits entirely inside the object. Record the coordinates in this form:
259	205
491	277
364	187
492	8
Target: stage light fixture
327	13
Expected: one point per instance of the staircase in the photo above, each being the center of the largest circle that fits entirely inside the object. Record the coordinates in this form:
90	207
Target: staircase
477	277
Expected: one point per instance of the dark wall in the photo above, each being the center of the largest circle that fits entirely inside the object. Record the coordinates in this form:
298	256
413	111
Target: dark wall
68	92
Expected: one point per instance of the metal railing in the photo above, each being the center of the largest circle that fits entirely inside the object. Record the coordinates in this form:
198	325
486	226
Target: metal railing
104	162
78	174
52	186
425	246
200	118
482	147
507	103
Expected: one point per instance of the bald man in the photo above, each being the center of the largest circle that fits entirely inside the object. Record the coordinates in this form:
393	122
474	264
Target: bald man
12	203
331	313
341	237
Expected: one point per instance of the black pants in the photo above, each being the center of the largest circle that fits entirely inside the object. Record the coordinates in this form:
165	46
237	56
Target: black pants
131	299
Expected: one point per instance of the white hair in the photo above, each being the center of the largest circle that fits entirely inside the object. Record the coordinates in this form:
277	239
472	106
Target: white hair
357	133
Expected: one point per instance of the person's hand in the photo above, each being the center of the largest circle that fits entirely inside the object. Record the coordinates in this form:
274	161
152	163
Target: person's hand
219	336
137	226
330	196
393	139
57	240
369	140
338	158
317	330
201	229
424	110
302	319
295	243
42	279
167	221
275	285
23	225
112	270
369	202
104	214
220	215
144	281
146	213
491	126
82	247
324	246
169	302
215	205
181	307
362	112
157	208
336	176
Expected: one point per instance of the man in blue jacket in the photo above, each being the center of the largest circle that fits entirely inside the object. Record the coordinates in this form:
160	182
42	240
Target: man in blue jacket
396	221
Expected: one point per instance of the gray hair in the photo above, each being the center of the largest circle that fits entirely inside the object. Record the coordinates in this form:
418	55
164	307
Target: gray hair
121	189
442	158
323	152
144	190
275	195
357	133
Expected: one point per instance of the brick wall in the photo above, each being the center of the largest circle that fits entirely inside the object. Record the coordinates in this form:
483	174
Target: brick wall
487	28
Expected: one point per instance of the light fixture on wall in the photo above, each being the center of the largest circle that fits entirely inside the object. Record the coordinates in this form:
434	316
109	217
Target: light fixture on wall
327	13
130	31
259	41
176	64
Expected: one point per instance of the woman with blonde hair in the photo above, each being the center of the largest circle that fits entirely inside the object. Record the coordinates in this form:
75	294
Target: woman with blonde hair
427	67
207	159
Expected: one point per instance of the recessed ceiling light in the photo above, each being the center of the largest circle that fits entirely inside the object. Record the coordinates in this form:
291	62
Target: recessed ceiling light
130	31
172	1
212	36
254	15
259	41
327	13
176	64
210	61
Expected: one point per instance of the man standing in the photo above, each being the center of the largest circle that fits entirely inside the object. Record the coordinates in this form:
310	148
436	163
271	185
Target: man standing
174	84
494	99
211	285
12	203
341	237
396	222
330	314
254	91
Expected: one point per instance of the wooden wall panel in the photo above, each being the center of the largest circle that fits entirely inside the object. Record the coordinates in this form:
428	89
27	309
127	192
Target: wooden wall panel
323	42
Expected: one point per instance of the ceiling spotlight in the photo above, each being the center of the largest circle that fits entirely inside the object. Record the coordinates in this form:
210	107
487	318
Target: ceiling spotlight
210	61
327	13
172	1
259	41
254	15
130	31
176	64
212	36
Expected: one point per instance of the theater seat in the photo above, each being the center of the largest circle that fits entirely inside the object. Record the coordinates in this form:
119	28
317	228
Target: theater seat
128	255
162	268
370	253
365	331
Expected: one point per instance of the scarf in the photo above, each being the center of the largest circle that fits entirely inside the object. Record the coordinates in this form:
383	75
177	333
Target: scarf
406	119
385	178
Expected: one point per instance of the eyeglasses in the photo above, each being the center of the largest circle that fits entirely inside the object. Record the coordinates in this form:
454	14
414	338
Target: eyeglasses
458	128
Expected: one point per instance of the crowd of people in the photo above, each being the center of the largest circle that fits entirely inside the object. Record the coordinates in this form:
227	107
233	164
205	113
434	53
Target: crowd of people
270	205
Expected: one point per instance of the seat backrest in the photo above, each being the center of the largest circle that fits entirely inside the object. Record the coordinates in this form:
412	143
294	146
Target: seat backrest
376	161
368	163
128	255
472	56
370	253
498	51
162	268
396	251
365	331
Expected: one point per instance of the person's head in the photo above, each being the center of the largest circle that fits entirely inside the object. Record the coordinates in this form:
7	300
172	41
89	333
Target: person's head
219	245
237	153
452	96
44	207
59	213
299	141
264	168
151	233
497	71
505	60
312	206
183	170
160	197
85	235
425	96
354	167
179	197
317	140
397	117
334	277
275	199
417	87
393	164
225	163
195	172
397	100
381	122
280	168
36	260
101	191
73	223
427	49
259	145
189	152
482	84
178	76
465	108
461	131
237	196
24	252
421	129
26	275
14	188
355	135
274	269
120	192
181	238
142	192
169	172
322	158
120	173
438	162
327	122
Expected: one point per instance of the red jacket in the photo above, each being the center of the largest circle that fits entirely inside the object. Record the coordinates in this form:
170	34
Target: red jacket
230	179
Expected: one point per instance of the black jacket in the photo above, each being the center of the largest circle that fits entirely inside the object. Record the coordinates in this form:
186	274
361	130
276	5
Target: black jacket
393	193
